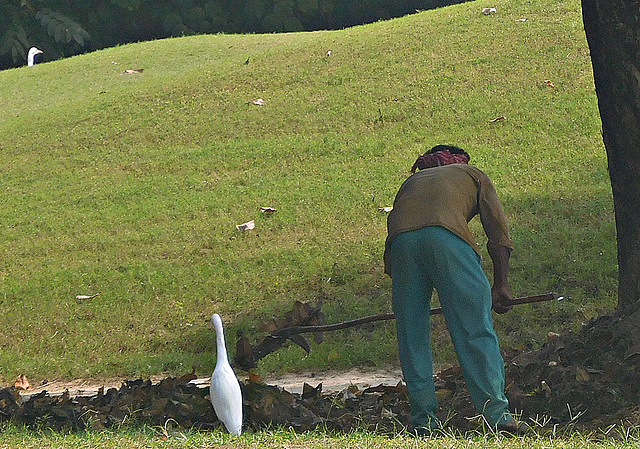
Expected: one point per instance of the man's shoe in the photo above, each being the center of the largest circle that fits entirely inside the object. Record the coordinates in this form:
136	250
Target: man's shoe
514	428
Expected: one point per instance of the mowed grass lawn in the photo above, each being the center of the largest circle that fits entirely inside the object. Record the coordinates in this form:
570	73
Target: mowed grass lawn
285	439
131	186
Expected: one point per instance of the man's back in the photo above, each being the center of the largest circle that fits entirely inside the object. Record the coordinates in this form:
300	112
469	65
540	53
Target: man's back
448	196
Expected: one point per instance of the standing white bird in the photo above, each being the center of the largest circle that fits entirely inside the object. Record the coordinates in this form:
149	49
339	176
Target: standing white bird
225	392
34	56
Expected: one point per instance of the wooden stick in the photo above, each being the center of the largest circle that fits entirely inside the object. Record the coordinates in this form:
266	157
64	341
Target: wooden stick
294	330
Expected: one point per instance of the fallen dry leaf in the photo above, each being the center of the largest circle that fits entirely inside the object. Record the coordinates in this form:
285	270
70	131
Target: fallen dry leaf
582	375
22	383
267	209
87	296
246	226
552	336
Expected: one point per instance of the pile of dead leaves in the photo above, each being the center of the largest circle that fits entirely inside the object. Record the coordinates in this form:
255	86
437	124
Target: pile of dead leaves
135	401
590	377
587	380
594	403
179	402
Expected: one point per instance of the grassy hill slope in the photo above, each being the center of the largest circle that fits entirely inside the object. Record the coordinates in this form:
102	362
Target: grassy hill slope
130	185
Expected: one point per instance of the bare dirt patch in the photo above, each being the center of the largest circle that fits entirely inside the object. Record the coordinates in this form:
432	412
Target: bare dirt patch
332	381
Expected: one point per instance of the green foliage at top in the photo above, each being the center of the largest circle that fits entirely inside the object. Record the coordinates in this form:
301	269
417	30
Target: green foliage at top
62	28
27	23
72	27
131	185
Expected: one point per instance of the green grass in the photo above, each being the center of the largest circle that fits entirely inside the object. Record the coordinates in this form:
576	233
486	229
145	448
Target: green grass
165	437
131	185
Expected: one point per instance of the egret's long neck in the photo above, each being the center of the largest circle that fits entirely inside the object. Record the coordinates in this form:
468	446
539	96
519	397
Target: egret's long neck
221	352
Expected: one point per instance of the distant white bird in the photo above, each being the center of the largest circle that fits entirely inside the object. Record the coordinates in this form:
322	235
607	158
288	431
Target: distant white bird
225	392
34	56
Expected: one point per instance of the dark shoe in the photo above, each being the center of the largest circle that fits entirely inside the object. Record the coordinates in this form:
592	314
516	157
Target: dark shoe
514	428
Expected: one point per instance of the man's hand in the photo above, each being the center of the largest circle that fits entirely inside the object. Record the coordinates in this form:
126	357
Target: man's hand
500	295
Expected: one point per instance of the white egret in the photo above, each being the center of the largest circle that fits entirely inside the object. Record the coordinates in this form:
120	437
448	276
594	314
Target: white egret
34	56
225	392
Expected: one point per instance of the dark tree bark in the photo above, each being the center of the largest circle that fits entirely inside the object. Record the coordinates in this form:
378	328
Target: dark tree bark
613	33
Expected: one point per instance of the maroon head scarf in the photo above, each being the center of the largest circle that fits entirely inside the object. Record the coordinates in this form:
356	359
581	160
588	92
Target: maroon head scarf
437	159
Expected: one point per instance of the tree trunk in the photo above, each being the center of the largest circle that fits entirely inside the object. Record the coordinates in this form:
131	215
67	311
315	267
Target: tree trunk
613	33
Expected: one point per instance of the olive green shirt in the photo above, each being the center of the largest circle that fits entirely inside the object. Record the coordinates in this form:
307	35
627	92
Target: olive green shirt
448	196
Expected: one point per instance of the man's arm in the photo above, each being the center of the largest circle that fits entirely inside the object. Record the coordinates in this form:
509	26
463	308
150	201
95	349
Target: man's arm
500	244
501	291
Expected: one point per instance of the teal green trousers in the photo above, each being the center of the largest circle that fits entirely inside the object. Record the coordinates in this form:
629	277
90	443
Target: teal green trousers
435	258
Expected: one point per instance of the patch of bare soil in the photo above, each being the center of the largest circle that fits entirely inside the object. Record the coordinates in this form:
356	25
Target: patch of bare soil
332	381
